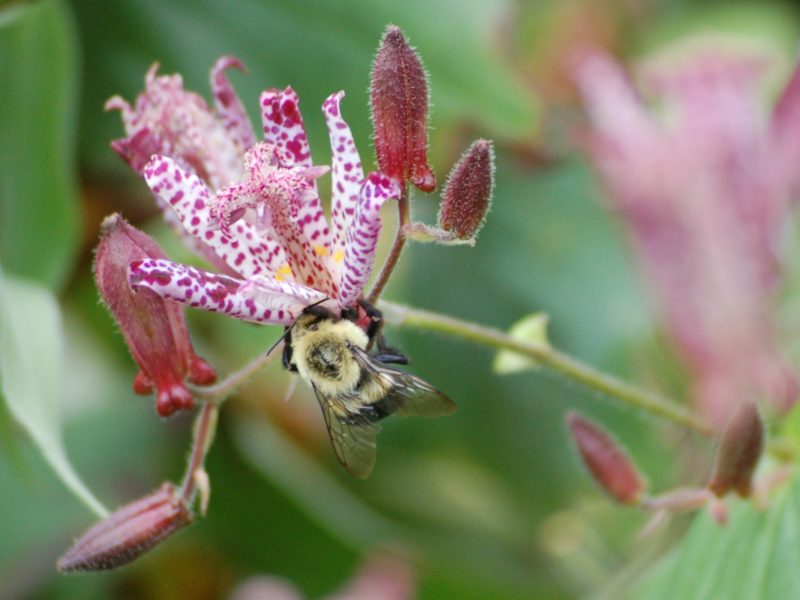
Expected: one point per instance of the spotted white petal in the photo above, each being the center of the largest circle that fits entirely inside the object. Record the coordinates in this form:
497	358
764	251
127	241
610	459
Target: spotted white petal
241	247
347	179
229	106
362	235
196	288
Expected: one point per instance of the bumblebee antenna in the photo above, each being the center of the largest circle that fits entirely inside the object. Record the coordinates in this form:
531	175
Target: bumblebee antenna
289	329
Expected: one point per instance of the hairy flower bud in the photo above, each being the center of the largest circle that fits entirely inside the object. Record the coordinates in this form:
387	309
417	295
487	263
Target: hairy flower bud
154	328
467	194
399	102
128	533
740	448
607	461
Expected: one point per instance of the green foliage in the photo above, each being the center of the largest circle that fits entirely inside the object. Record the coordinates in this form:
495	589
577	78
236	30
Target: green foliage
531	328
31	370
754	557
39	214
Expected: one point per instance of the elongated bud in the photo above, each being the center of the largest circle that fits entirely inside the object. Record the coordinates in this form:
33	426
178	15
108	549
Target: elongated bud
128	533
740	448
467	194
399	102
607	461
154	328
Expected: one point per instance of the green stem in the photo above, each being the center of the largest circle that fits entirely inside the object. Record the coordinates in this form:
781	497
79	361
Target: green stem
404	210
652	403
204	428
217	393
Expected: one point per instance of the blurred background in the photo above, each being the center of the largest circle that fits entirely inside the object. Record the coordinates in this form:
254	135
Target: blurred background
489	503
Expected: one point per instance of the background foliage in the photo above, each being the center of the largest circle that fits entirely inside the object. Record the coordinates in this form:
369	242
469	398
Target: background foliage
491	502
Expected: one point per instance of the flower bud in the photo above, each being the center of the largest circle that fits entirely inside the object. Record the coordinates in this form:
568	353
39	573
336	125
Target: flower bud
399	102
467	194
153	328
128	533
740	447
607	461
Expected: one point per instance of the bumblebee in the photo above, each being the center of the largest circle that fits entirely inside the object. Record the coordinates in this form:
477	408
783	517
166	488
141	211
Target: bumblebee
356	388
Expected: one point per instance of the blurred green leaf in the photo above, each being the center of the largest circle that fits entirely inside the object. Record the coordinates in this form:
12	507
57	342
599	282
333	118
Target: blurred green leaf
31	357
533	329
38	207
754	557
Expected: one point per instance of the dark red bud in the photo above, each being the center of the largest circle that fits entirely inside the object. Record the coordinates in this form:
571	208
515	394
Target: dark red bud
128	533
399	102
607	461
740	447
467	194
142	384
154	328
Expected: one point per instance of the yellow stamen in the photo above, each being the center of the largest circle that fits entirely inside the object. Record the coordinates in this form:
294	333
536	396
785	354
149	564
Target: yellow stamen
338	256
284	273
321	250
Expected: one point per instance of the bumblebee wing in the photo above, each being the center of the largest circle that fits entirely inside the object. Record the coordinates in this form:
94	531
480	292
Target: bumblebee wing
404	393
352	435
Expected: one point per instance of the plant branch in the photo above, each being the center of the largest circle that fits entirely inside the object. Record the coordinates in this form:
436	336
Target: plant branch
404	211
204	428
649	402
217	393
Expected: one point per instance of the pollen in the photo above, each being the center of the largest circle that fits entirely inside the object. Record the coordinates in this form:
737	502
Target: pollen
321	250
284	273
338	256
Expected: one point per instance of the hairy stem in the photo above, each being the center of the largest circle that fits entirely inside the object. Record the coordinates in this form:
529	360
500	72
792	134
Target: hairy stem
204	429
649	402
217	393
404	211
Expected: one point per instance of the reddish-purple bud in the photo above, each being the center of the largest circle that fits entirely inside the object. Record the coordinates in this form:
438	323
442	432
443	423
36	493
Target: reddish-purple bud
128	533
399	101
154	328
467	194
607	461
740	448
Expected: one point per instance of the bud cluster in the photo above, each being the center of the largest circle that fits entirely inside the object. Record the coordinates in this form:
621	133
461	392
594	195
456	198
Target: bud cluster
399	102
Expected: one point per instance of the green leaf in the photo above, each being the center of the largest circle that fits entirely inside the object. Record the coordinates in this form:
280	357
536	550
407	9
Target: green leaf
31	360
754	557
533	329
38	207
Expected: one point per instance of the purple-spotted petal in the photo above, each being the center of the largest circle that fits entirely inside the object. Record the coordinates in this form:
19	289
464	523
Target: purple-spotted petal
213	292
242	249
347	177
284	129
362	235
283	125
229	106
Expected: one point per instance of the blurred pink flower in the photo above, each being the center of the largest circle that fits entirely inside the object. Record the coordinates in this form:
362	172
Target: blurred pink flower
704	179
267	225
379	577
168	120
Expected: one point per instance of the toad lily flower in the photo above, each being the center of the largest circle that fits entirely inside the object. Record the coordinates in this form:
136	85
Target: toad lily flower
704	187
269	227
168	120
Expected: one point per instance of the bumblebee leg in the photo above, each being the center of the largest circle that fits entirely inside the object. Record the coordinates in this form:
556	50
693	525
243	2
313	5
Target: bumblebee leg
286	357
386	354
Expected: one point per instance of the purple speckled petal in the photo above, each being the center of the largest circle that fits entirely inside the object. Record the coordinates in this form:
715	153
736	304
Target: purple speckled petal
241	247
283	125
213	292
347	178
362	235
284	129
229	106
